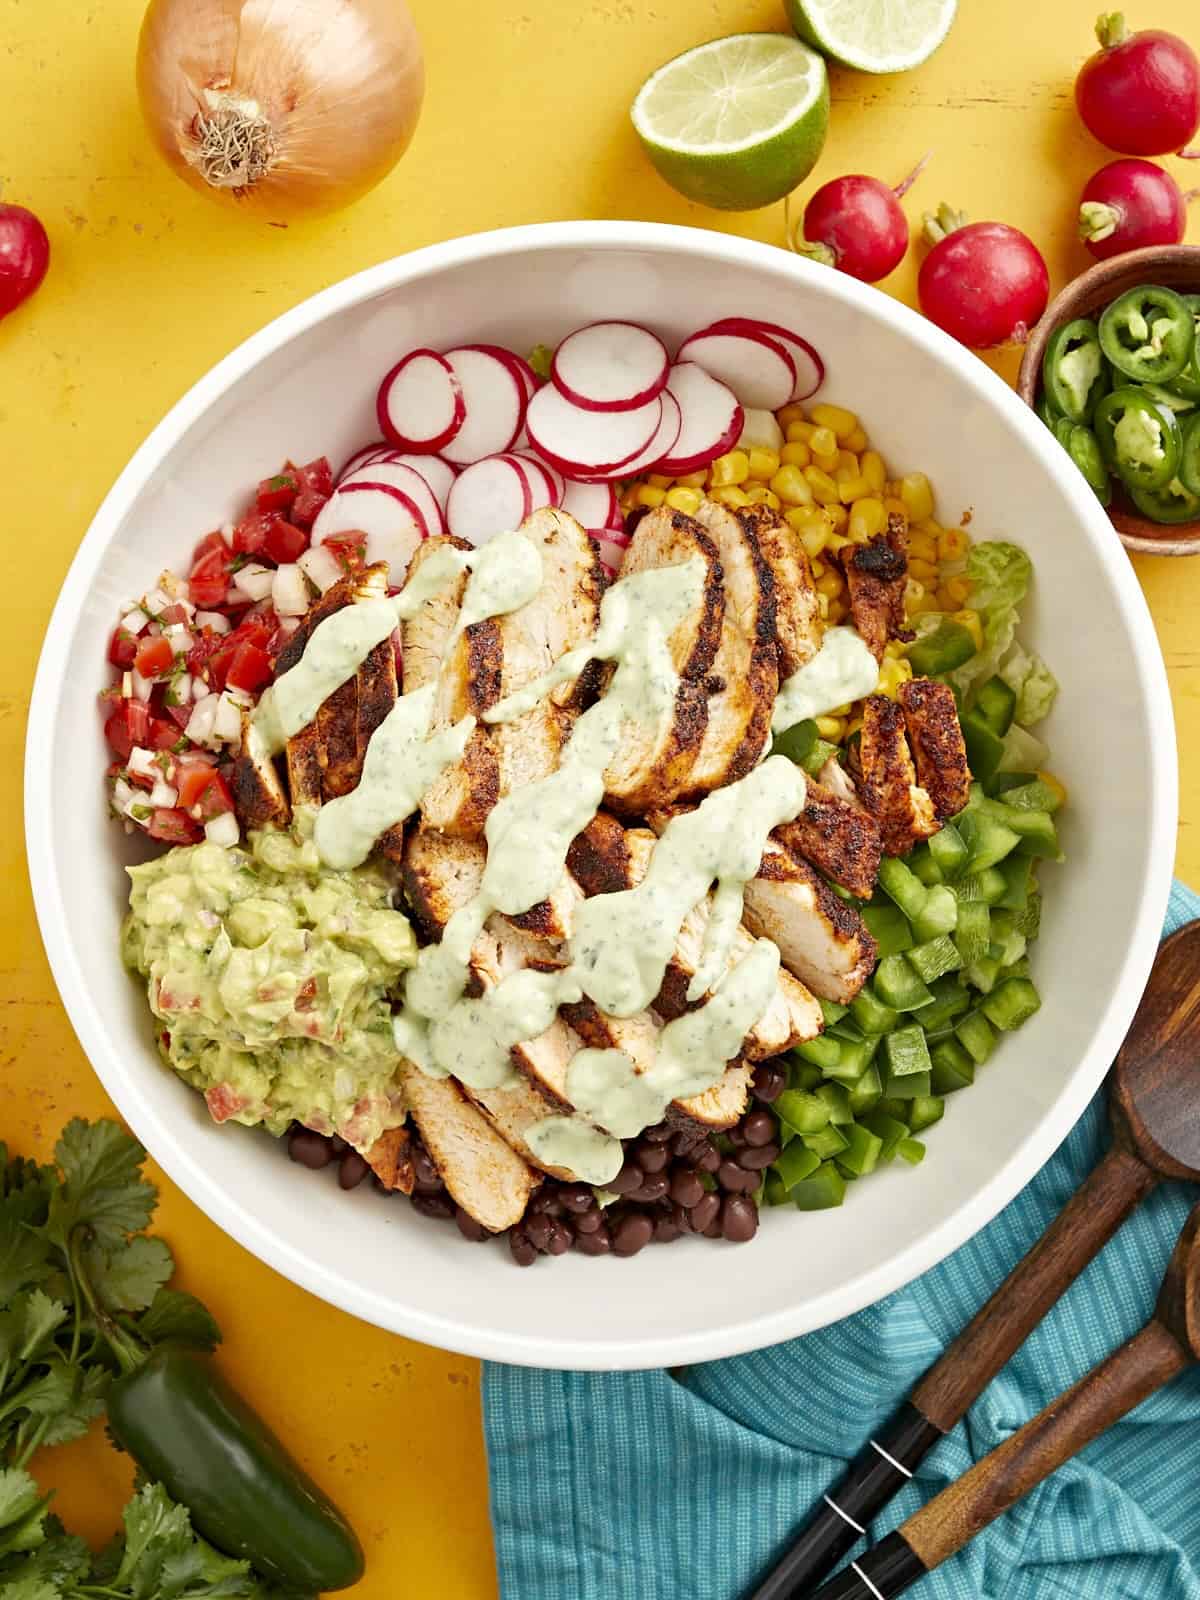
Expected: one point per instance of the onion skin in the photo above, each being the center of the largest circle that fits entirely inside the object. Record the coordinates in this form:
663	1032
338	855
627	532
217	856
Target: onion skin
324	94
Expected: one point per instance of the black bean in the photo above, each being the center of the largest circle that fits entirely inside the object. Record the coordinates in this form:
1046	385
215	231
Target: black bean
713	1231
576	1197
653	1189
309	1148
653	1158
757	1160
547	1200
736	1137
687	1140
708	1159
769	1081
589	1221
438	1206
594	1244
739	1219
338	1145
666	1229
759	1128
468	1227
425	1174
523	1252
731	1176
560	1239
703	1212
686	1187
632	1233
659	1134
627	1180
352	1170
538	1228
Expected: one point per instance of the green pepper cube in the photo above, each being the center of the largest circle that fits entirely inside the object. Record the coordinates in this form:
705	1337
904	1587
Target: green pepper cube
941	650
861	1154
793	1166
903	886
801	1111
924	1110
854	1056
950	1000
912	1151
796	742
889	928
982	974
898	986
996	703
867	1092
837	1098
909	1086
985	747
938	915
1032	795
977	1036
906	1051
934	958
923	867
816	758
988	840
832	1011
775	1190
889	1131
871	1014
1011	1003
949	850
829	1142
951	1067
823	1051
824	1189
1029	919
972	935
1017	872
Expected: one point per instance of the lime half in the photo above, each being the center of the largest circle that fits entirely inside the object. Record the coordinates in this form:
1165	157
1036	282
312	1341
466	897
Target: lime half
737	123
874	35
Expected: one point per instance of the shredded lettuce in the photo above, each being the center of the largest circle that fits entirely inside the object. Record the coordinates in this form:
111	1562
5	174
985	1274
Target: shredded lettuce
999	574
1034	685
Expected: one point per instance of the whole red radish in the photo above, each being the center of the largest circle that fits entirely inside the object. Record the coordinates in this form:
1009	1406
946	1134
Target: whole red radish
1130	204
1140	92
984	283
24	256
855	223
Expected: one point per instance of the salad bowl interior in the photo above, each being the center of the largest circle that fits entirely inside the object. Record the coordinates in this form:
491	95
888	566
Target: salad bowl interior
305	386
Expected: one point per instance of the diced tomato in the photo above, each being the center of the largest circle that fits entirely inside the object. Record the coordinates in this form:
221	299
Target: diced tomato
138	716
163	734
250	534
154	657
116	732
277	493
180	715
316	476
223	1102
349	548
204	644
284	542
122	648
173	826
212	796
128	725
173	613
208	583
249	669
306	507
211	544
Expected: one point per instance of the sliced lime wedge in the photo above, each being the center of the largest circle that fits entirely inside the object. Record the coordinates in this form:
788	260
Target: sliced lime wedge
874	35
736	123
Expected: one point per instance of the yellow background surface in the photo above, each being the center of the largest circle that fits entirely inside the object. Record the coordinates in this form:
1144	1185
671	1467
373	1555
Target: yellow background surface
525	120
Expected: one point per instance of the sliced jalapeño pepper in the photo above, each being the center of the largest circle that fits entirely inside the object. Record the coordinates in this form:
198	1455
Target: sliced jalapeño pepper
1062	430
1187	382
1140	440
1073	372
1084	450
1169	504
1189	455
1149	334
1047	411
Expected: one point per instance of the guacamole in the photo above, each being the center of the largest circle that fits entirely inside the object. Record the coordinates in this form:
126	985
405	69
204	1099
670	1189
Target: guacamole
271	976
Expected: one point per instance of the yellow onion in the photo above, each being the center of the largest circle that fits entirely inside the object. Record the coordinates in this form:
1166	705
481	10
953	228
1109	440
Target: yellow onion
283	107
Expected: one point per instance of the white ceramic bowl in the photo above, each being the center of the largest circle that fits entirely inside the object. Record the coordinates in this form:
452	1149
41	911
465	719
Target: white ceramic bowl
306	385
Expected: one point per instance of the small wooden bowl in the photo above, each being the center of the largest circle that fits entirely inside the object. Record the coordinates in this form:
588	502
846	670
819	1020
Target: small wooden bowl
1175	266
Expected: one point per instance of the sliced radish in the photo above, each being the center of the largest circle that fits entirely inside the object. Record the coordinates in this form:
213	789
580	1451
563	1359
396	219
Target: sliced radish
489	497
663	442
610	366
369	452
438	474
391	520
538	480
528	376
421	405
612	547
410	482
555	482
494	395
584	444
711	419
595	505
758	369
810	369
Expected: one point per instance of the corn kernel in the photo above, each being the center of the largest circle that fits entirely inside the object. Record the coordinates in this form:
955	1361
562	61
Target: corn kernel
835	612
892	675
824	489
684	500
795	455
837	419
871	466
827	464
813	530
894	650
837	541
839	519
764	464
970	621
786	415
831	728
929	525
894	507
823	442
857	440
852	489
853	726
924	572
657	480
819	569
733	468
847	461
792	486
953	545
959	590
694	480
830	583
841	711
867	518
800	432
760	495
730	495
1055	784
922	547
647	495
917	598
917	495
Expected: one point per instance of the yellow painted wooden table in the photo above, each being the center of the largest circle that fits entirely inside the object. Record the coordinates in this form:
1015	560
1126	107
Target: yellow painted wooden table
525	120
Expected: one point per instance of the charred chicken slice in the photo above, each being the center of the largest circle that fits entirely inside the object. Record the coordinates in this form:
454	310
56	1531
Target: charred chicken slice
797	608
821	939
838	838
939	750
888	780
876	573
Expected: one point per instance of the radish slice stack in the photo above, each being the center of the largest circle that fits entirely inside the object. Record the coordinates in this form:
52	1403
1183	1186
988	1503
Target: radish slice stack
710	420
391	519
421	404
494	401
610	366
757	368
393	473
810	370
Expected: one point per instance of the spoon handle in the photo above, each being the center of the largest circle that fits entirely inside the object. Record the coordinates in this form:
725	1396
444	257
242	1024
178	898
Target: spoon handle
889	1459
932	1535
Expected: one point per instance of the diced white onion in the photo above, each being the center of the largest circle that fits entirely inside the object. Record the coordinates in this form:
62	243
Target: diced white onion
163	794
240	697
143	762
199	688
213	620
227	720
254	581
127	685
134	621
320	565
289	591
288	626
140	687
181	639
200	723
156	600
122	795
181	688
222	830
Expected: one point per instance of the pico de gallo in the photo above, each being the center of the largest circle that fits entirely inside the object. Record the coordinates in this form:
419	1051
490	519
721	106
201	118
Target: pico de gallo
194	653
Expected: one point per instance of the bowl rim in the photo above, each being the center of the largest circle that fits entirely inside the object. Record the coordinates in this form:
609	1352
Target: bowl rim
162	1137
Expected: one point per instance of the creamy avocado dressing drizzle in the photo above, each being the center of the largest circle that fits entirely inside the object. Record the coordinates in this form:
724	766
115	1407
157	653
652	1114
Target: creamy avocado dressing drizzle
842	670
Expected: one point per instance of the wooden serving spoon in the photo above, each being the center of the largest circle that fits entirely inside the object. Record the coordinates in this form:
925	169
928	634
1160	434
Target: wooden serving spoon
1168	1343
1154	1110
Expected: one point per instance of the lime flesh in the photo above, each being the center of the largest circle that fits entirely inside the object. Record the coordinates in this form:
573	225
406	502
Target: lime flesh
873	35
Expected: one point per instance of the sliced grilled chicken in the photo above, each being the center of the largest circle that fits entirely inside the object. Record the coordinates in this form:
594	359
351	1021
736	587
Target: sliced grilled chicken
482	1171
303	756
744	677
876	573
888	779
390	1159
258	795
797	609
839	839
821	939
834	777
939	750
655	763
512	1112
440	874
459	800
425	638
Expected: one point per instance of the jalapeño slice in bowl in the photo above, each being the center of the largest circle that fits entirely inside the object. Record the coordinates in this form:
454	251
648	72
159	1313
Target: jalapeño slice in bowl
1140	440
1171	503
1149	334
1189	455
1073	372
1062	430
1187	382
1084	450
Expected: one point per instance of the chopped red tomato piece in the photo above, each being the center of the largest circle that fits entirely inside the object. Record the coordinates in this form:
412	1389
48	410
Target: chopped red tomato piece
179	714
284	543
208	583
306	507
250	534
277	493
223	1102
122	648
211	544
173	826
204	644
203	786
163	734
154	657
316	476
249	669
349	548
128	725
172	614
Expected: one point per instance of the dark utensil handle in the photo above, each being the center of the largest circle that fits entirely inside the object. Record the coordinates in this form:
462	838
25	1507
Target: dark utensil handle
880	1471
883	1572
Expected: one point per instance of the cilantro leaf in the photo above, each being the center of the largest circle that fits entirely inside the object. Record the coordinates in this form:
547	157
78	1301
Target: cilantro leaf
40	1318
22	1512
74	1420
60	1562
128	1278
178	1318
155	1529
29	1586
103	1188
24	1258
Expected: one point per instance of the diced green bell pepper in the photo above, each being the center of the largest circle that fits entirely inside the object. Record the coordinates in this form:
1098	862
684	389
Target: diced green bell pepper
804	1075
924	1111
977	1036
837	1099
888	1131
988	886
854	1057
988	840
889	928
906	1051
829	1142
823	1051
950	1000
832	1011
972	935
792	1167
1033	795
898	986
818	756
1016	871
825	1188
796	742
774	1189
861	1154
948	848
903	886
938	915
982	974
951	1067
907	1086
996	702
934	958
922	866
912	1151
1011	1003
1006	937
941	650
866	1094
985	747
1029	918
803	1112
871	1014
